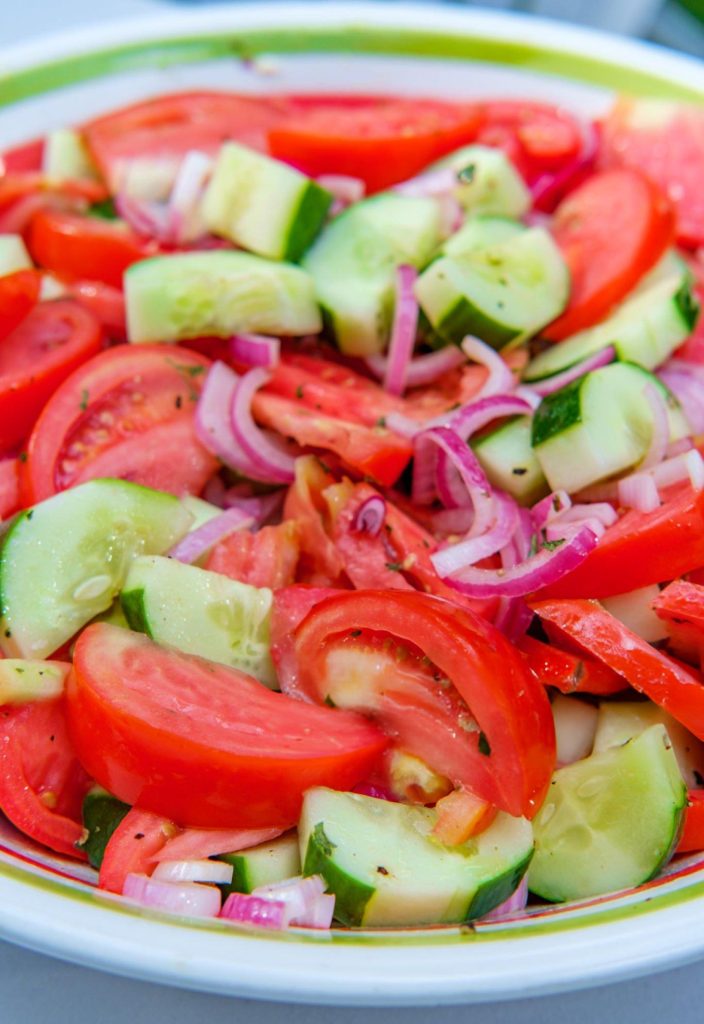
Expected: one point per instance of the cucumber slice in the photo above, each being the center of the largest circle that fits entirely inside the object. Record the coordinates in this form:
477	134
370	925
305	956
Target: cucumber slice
502	293
202	511
13	255
191	294
609	822
66	156
65	560
508	459
202	613
22	681
487	181
263	205
264	864
480	232
575	727
102	813
354	259
598	426
621	721
645	329
386	869
114	616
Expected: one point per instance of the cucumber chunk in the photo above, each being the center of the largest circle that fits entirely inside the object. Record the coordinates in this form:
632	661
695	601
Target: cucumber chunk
575	728
191	294
609	822
599	425
645	329
22	681
354	260
13	255
480	232
263	205
264	864
66	156
385	868
65	560
102	813
502	292
487	181
201	612
508	459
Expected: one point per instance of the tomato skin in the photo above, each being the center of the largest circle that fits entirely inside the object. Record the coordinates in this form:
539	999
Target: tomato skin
681	607
647	670
290	607
206	768
510	707
131	410
692	838
106	303
538	137
640	549
570	673
133	847
19	294
43	350
23	194
9	487
75	247
267	558
611	230
25	157
42	784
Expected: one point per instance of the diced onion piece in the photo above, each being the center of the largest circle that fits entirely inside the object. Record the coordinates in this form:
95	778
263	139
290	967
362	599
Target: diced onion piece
215	872
639	491
183	212
686	382
305	900
343	187
515	904
660	436
440	182
188	898
243	908
255	350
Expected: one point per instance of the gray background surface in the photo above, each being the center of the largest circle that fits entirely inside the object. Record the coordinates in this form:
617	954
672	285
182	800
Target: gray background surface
37	990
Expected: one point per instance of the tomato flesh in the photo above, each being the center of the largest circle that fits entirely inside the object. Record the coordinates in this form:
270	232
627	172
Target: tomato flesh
570	673
692	838
19	293
133	847
9	487
267	558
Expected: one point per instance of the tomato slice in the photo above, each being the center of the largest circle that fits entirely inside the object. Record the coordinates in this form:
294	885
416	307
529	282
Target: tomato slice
640	549
681	606
174	734
692	838
75	246
104	302
23	194
161	130
9	487
25	157
320	562
199	843
611	230
19	293
132	847
127	412
42	784
570	673
464	667
538	137
267	558
50	343
379	139
647	670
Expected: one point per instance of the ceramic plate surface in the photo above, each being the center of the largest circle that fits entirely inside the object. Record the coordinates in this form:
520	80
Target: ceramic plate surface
50	904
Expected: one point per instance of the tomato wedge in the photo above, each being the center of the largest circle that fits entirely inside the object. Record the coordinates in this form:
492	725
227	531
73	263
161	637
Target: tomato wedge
378	139
611	230
538	137
19	293
127	412
49	344
267	558
464	703
132	847
692	838
173	734
570	673
23	194
25	157
75	246
665	681
105	303
640	549
681	606
198	843
42	784
9	487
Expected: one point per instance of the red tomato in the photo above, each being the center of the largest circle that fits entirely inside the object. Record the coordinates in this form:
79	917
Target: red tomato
74	246
267	558
199	843
666	142
9	487
374	452
459	697
25	157
681	606
647	670
379	139
290	607
19	293
128	413
537	136
320	561
173	733
163	129
42	784
640	549
105	303
132	847
50	343
692	838
22	195
570	673
611	230
693	348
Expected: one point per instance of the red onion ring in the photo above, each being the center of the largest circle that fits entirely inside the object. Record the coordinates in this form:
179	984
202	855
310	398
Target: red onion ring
370	516
460	456
261	448
440	182
403	331
561	380
640	492
549	189
195	544
213	420
255	350
500	377
471	550
423	369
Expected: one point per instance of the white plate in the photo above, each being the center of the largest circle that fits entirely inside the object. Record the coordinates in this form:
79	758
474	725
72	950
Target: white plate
50	904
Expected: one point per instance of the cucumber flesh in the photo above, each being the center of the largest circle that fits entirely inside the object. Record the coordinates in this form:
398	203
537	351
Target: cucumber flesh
65	560
264	864
575	728
609	822
13	255
66	156
507	457
385	868
102	813
263	205
479	232
191	294
201	612
502	293
487	181
22	681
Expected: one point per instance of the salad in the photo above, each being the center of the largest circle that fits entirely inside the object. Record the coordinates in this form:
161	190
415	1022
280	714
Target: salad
352	499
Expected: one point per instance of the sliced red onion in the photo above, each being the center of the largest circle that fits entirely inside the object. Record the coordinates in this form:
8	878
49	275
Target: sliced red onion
183	211
432	184
243	908
272	462
661	427
321	913
214	872
684	444
301	897
686	382
547	508
687	466
370	516
255	350
453	520
529	396
561	380
195	544
515	904
403	331
403	425
548	189
500	379
479	413
471	550
261	508
540	570
459	455
513	616
187	898
600	511
422	370
213	421
149	219
640	492
343	187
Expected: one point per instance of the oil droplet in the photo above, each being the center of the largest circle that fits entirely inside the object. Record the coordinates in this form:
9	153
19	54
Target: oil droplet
94	586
